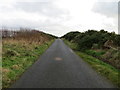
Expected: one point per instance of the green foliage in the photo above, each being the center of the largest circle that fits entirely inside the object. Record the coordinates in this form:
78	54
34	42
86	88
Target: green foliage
71	35
117	40
95	53
95	46
91	38
86	42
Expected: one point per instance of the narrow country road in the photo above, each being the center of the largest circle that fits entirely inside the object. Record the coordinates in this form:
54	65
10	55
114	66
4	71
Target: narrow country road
60	67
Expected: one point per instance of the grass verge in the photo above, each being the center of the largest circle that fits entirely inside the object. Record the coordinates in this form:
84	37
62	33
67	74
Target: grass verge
106	70
17	57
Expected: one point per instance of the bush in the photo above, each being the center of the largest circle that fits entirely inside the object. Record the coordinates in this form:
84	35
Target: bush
95	46
85	43
71	35
117	40
92	38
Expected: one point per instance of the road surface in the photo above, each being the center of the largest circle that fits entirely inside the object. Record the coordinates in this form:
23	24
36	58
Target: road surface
60	67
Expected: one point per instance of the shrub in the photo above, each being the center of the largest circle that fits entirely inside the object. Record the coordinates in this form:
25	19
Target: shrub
95	46
71	35
92	38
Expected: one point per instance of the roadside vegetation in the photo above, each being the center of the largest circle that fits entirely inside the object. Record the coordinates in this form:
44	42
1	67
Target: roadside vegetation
100	44
100	49
20	51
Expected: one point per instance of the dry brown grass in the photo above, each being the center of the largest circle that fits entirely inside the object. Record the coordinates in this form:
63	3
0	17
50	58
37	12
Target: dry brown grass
25	36
5	70
16	67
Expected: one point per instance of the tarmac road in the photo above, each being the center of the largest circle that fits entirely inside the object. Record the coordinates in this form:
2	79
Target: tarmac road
60	67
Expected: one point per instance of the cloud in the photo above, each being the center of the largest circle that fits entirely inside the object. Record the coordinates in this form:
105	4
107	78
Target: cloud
44	8
109	9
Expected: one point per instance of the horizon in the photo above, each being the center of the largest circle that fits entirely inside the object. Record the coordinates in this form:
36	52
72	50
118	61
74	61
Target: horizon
28	29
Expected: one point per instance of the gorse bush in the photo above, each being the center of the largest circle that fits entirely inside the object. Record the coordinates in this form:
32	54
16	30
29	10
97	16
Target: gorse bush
71	35
90	38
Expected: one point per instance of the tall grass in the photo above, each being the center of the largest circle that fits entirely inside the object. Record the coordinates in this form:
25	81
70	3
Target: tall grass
20	50
26	35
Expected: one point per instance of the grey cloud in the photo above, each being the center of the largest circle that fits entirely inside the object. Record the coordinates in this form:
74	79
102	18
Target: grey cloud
54	16
109	9
53	28
17	23
45	8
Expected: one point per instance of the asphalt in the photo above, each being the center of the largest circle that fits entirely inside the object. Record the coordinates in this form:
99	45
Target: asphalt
60	67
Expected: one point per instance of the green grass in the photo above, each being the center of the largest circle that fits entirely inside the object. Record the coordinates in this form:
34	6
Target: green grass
95	53
17	57
71	45
106	70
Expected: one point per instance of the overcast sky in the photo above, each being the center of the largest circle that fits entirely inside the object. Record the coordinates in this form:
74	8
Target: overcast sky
60	16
